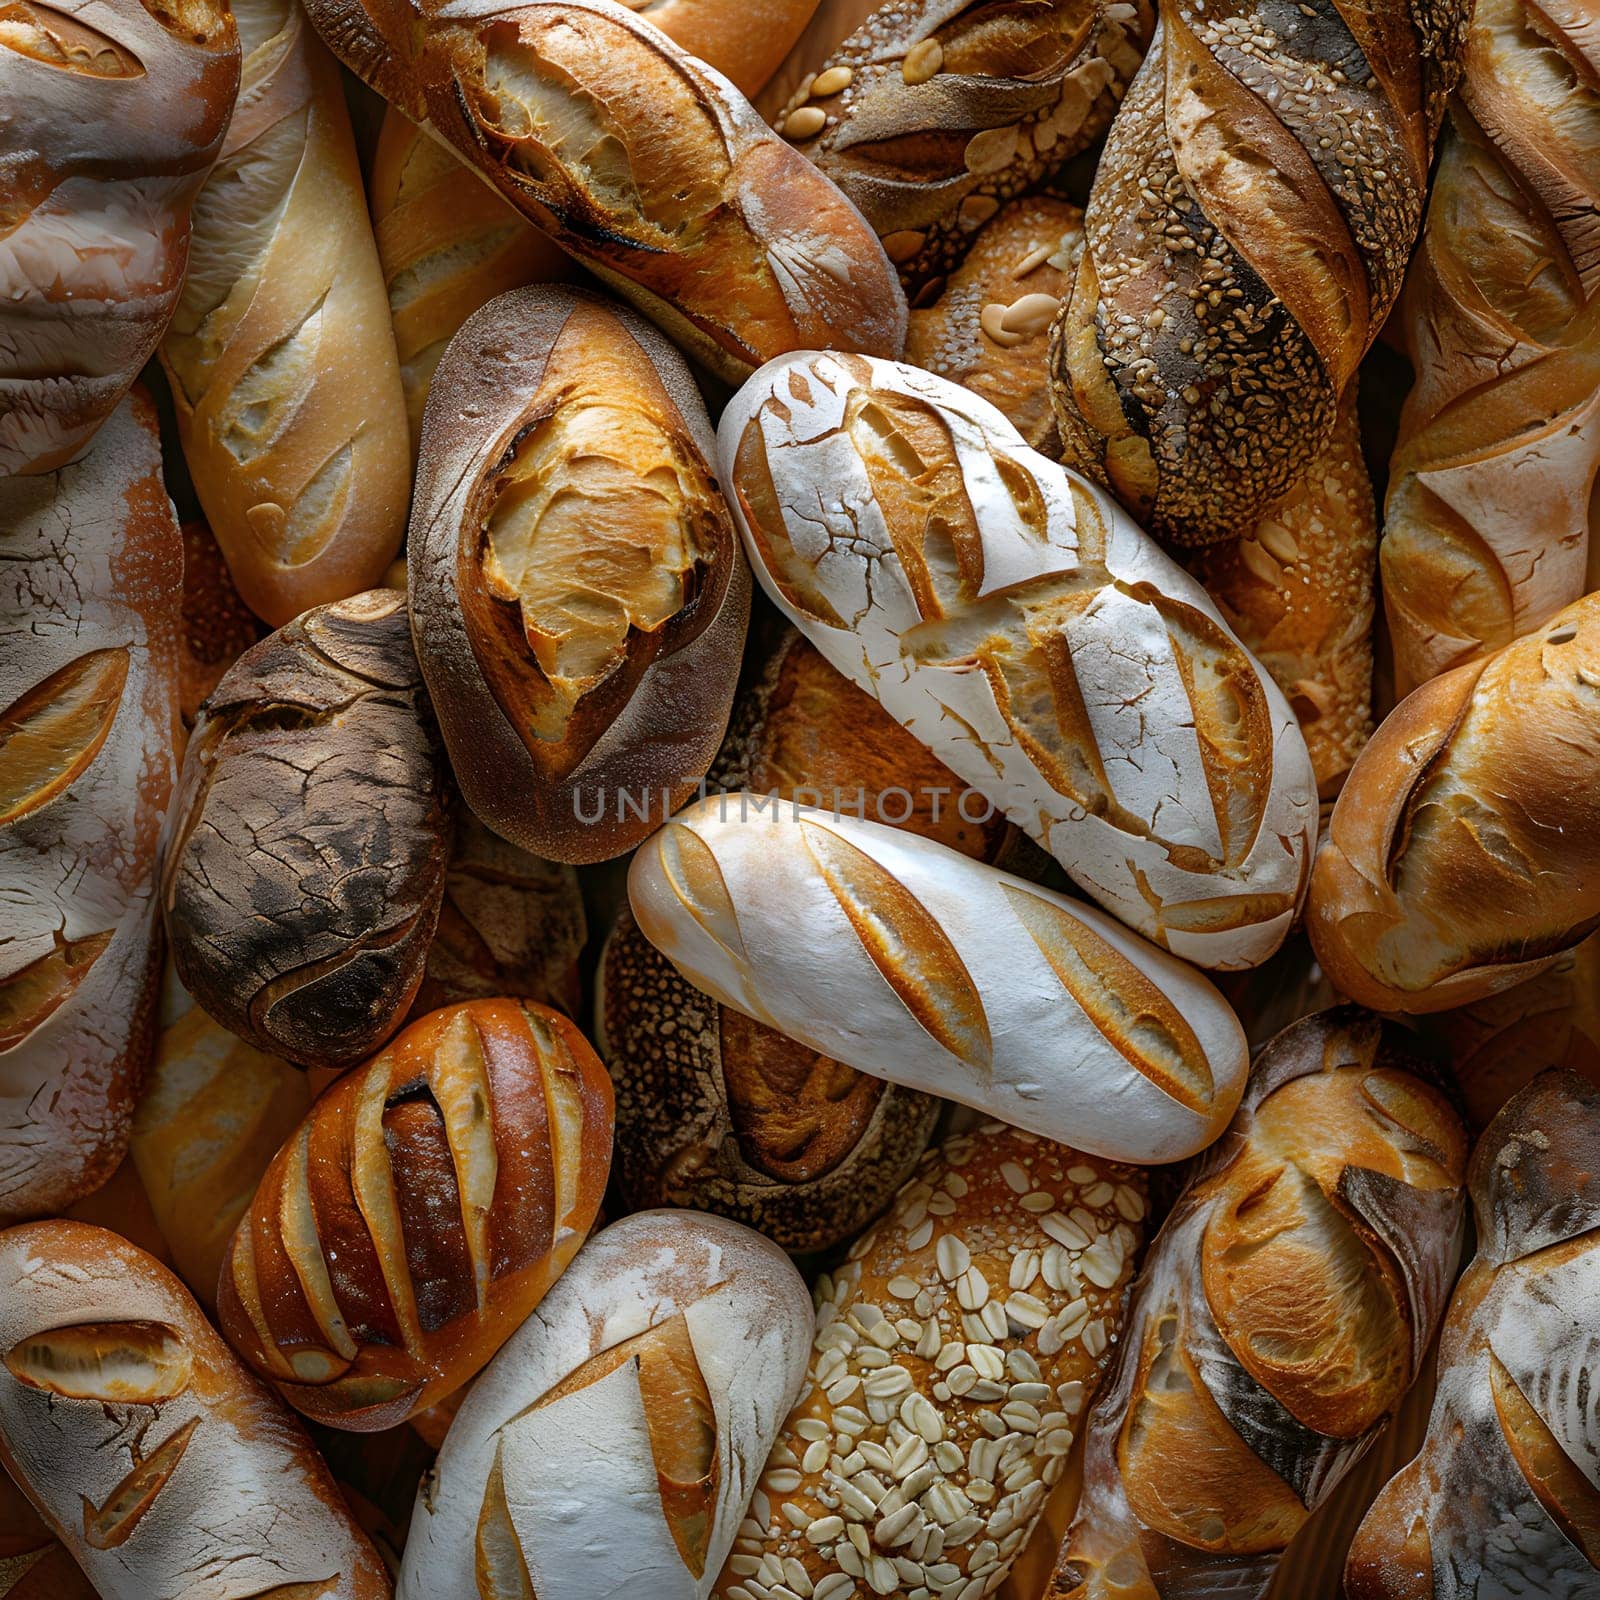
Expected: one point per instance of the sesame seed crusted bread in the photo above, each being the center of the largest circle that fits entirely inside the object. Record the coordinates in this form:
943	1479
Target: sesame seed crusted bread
955	1356
1248	230
1488	517
933	113
1282	1314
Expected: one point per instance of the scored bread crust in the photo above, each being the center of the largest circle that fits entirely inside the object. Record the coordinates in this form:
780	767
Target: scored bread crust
641	161
282	366
957	1352
89	683
1501	1499
420	1212
613	1444
1488	516
545	755
1012	618
941	973
115	111
1462	855
162	1464
1248	229
1282	1314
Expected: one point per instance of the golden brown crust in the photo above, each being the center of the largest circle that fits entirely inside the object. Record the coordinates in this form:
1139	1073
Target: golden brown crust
935	112
1298	591
420	1212
744	43
1461	856
990	327
578	592
1248	229
640	161
1488	515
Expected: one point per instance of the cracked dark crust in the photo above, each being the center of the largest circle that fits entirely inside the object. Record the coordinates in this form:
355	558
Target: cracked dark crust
305	857
654	724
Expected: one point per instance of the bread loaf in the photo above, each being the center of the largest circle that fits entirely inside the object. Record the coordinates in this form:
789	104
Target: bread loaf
719	1113
1502	1498
1283	1313
1488	515
577	590
1464	853
420	1212
448	245
612	1446
155	1457
283	368
644	163
114	112
905	960
990	327
305	855
213	1114
934	112
1297	589
955	1355
34	1564
1018	624
218	627
90	568
744	43
510	925
1248	229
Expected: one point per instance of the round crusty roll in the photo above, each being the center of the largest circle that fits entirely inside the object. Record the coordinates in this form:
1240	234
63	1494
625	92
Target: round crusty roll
1283	1313
1502	1498
955	1356
90	571
905	960
642	162
1014	619
114	113
612	1446
420	1212
163	1466
1248	231
578	594
1464	852
305	853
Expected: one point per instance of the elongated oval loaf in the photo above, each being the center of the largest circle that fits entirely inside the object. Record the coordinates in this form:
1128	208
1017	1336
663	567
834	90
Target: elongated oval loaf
906	960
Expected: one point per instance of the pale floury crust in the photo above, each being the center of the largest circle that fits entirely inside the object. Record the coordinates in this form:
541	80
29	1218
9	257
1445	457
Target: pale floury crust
672	1346
89	679
1015	620
906	960
164	1466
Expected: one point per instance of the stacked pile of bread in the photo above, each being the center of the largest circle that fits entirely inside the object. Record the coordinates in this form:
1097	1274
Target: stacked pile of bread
838	856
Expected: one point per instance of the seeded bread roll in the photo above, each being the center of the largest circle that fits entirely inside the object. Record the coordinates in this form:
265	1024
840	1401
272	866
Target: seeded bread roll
1502	1498
212	1115
1283	1313
1464	853
420	1212
90	570
955	1354
612	1446
1248	229
282	366
578	594
163	1466
305	853
990	326
934	112
1489	510
218	627
639	160
744	43
1015	621
1297	589
448	245
942	974
115	111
